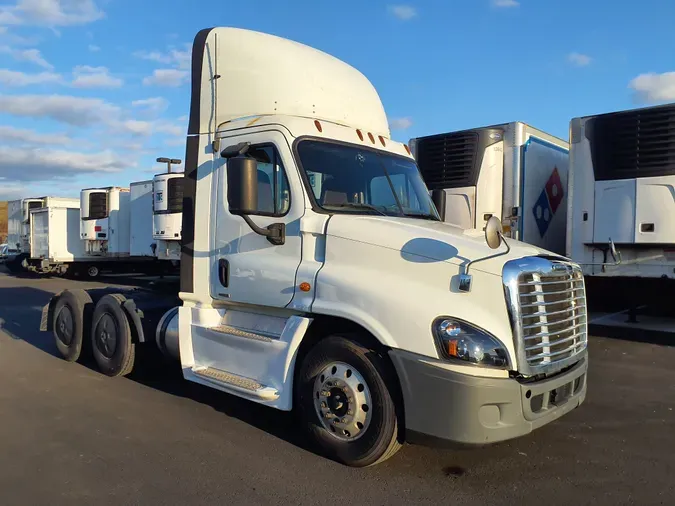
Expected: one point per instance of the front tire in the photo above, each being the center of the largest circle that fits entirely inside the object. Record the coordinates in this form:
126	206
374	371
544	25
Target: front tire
344	401
111	339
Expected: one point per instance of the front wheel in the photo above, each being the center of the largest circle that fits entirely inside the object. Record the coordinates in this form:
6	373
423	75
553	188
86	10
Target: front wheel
344	400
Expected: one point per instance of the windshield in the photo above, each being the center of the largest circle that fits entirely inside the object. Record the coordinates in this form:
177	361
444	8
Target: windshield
351	179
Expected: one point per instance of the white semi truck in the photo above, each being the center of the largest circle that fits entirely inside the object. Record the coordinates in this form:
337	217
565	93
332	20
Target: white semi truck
18	225
621	207
512	171
316	275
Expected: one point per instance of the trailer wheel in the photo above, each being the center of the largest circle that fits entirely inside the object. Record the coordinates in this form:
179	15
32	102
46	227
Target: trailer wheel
112	345
345	404
72	313
93	271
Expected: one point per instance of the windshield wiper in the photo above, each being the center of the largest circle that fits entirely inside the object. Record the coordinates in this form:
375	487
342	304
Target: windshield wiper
426	216
360	205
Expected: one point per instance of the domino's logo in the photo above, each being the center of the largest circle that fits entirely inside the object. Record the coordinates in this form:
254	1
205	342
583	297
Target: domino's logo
548	202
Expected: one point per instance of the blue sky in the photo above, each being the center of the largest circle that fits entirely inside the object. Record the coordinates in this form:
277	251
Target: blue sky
92	91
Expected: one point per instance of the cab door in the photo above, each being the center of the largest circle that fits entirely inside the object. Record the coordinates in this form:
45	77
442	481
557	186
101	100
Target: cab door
246	267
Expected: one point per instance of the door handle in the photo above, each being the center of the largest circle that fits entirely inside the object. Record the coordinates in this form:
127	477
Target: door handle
223	272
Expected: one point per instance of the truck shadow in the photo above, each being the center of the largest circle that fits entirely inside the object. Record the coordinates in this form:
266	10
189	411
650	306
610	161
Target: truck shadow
20	315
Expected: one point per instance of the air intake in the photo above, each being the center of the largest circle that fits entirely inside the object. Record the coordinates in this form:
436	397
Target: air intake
453	160
175	195
98	206
633	144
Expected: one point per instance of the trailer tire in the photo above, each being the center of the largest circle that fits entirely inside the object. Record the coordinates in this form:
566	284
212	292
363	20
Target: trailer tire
92	271
345	402
72	312
111	338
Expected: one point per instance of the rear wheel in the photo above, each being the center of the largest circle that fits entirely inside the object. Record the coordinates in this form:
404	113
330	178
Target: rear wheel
345	403
71	317
112	344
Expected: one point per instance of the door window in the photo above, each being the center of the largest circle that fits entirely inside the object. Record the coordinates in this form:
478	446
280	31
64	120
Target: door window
274	197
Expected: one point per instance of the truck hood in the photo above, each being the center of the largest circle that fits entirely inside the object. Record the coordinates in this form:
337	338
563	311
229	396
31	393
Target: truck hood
425	241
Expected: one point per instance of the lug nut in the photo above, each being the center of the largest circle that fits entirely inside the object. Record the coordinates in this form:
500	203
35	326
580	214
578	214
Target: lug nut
350	412
323	405
325	393
345	390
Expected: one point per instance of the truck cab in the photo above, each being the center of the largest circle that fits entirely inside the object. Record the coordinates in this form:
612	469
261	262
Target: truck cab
316	275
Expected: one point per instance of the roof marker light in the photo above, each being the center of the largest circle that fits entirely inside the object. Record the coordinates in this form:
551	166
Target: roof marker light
358	132
372	139
382	140
318	125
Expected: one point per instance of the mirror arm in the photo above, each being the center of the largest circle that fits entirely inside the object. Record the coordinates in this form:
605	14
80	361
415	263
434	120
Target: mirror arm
508	248
275	233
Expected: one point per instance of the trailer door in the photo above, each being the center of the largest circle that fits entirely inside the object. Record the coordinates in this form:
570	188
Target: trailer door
543	195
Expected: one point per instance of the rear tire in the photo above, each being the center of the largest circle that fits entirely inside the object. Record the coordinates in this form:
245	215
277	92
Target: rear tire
111	339
71	318
345	403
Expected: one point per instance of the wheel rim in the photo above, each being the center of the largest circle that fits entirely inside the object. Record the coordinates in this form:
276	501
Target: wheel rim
92	271
106	335
342	401
65	327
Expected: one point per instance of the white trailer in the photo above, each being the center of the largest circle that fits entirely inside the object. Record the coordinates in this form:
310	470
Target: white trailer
512	171
105	222
18	224
141	239
55	239
317	276
622	197
168	214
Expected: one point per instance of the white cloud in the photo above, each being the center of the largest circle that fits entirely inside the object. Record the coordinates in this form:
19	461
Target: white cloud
94	77
17	79
29	55
9	190
77	111
166	127
40	163
653	87
93	48
50	13
505	3
154	104
578	59
166	77
176	141
176	57
137	127
11	134
404	12
400	123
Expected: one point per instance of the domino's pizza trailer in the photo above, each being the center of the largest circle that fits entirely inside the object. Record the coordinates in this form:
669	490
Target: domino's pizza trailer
512	171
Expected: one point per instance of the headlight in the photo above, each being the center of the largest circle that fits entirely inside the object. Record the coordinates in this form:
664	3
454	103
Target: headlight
459	340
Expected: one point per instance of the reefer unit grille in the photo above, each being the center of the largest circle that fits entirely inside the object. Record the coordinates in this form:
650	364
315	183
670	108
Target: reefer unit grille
448	160
175	195
633	144
98	206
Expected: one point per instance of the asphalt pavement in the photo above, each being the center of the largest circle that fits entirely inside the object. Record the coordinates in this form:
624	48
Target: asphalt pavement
69	435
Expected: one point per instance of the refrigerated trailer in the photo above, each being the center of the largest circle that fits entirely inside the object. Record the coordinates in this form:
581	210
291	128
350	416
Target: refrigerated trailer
168	214
141	241
512	171
316	275
622	198
18	224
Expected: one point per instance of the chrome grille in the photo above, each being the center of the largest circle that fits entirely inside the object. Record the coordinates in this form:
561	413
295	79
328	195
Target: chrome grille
547	299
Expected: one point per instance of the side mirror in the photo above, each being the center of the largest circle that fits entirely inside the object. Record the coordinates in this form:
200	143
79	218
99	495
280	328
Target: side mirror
493	232
242	185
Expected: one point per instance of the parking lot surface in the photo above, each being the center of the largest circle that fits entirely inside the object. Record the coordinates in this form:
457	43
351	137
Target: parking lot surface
69	435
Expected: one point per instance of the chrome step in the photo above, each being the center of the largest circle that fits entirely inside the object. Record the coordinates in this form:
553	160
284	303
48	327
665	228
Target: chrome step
234	331
237	383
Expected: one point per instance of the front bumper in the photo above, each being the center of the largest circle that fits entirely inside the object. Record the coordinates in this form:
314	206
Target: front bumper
473	410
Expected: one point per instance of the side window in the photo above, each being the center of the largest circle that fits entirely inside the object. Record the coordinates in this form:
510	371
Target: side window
274	197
